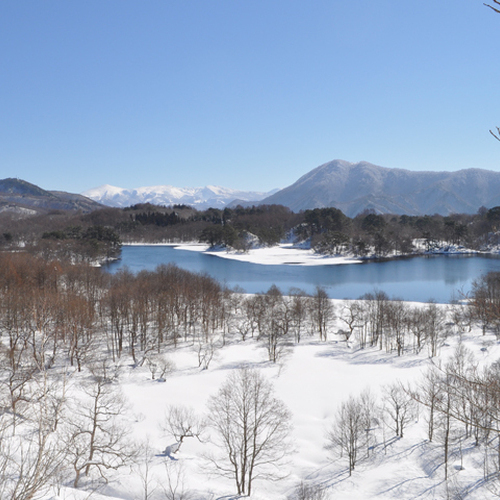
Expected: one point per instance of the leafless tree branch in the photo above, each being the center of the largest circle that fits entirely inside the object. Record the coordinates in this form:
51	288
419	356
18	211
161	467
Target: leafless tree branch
497	135
494	8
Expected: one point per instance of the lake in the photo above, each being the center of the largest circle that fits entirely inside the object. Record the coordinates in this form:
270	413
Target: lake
439	277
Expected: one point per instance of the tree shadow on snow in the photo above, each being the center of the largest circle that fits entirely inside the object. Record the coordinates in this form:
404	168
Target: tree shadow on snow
244	364
409	481
170	451
373	356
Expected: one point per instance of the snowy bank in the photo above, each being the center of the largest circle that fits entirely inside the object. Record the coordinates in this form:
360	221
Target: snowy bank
287	254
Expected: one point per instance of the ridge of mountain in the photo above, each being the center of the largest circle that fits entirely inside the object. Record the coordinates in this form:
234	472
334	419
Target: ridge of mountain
354	187
200	198
23	198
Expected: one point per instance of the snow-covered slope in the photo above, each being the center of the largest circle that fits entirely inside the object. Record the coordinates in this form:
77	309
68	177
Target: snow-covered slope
313	380
201	198
354	187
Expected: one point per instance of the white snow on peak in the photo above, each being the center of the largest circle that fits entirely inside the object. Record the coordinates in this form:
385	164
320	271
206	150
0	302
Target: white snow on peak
198	197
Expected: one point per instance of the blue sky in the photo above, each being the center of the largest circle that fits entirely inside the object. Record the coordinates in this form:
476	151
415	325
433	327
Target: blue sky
244	94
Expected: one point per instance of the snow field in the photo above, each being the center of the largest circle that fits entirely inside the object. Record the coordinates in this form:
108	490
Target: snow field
312	380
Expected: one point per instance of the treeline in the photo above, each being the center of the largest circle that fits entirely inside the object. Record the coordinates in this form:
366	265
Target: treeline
98	235
63	235
329	230
332	232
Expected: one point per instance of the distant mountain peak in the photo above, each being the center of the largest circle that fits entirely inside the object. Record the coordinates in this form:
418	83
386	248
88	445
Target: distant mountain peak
198	197
22	197
18	186
352	187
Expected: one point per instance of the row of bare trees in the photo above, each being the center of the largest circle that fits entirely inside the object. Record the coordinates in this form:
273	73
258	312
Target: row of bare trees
97	236
278	320
49	309
463	403
373	320
397	326
485	302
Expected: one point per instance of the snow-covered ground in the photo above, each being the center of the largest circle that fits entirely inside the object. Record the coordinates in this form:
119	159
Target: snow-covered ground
312	380
285	253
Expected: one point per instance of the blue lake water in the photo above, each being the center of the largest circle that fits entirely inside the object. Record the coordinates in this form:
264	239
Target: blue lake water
439	277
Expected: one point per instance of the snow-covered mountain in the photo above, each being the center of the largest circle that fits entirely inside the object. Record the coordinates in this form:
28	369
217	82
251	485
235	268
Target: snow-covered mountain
354	187
351	187
200	198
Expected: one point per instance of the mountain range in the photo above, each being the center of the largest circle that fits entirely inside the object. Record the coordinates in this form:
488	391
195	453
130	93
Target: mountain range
199	198
351	187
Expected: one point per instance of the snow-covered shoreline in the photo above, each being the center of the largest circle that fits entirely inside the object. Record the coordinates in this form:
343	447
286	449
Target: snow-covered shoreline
283	254
290	254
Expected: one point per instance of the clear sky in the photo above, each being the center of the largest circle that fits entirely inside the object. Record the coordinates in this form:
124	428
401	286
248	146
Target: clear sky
246	94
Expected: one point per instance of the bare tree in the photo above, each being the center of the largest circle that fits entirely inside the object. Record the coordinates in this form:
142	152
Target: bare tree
399	407
495	8
429	394
497	134
96	438
322	311
31	459
417	326
252	428
174	487
348	430
206	351
28	464
397	323
461	315
435	327
369	414
18	390
274	323
374	315
183	422
352	317
305	491
161	365
143	466
298	307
